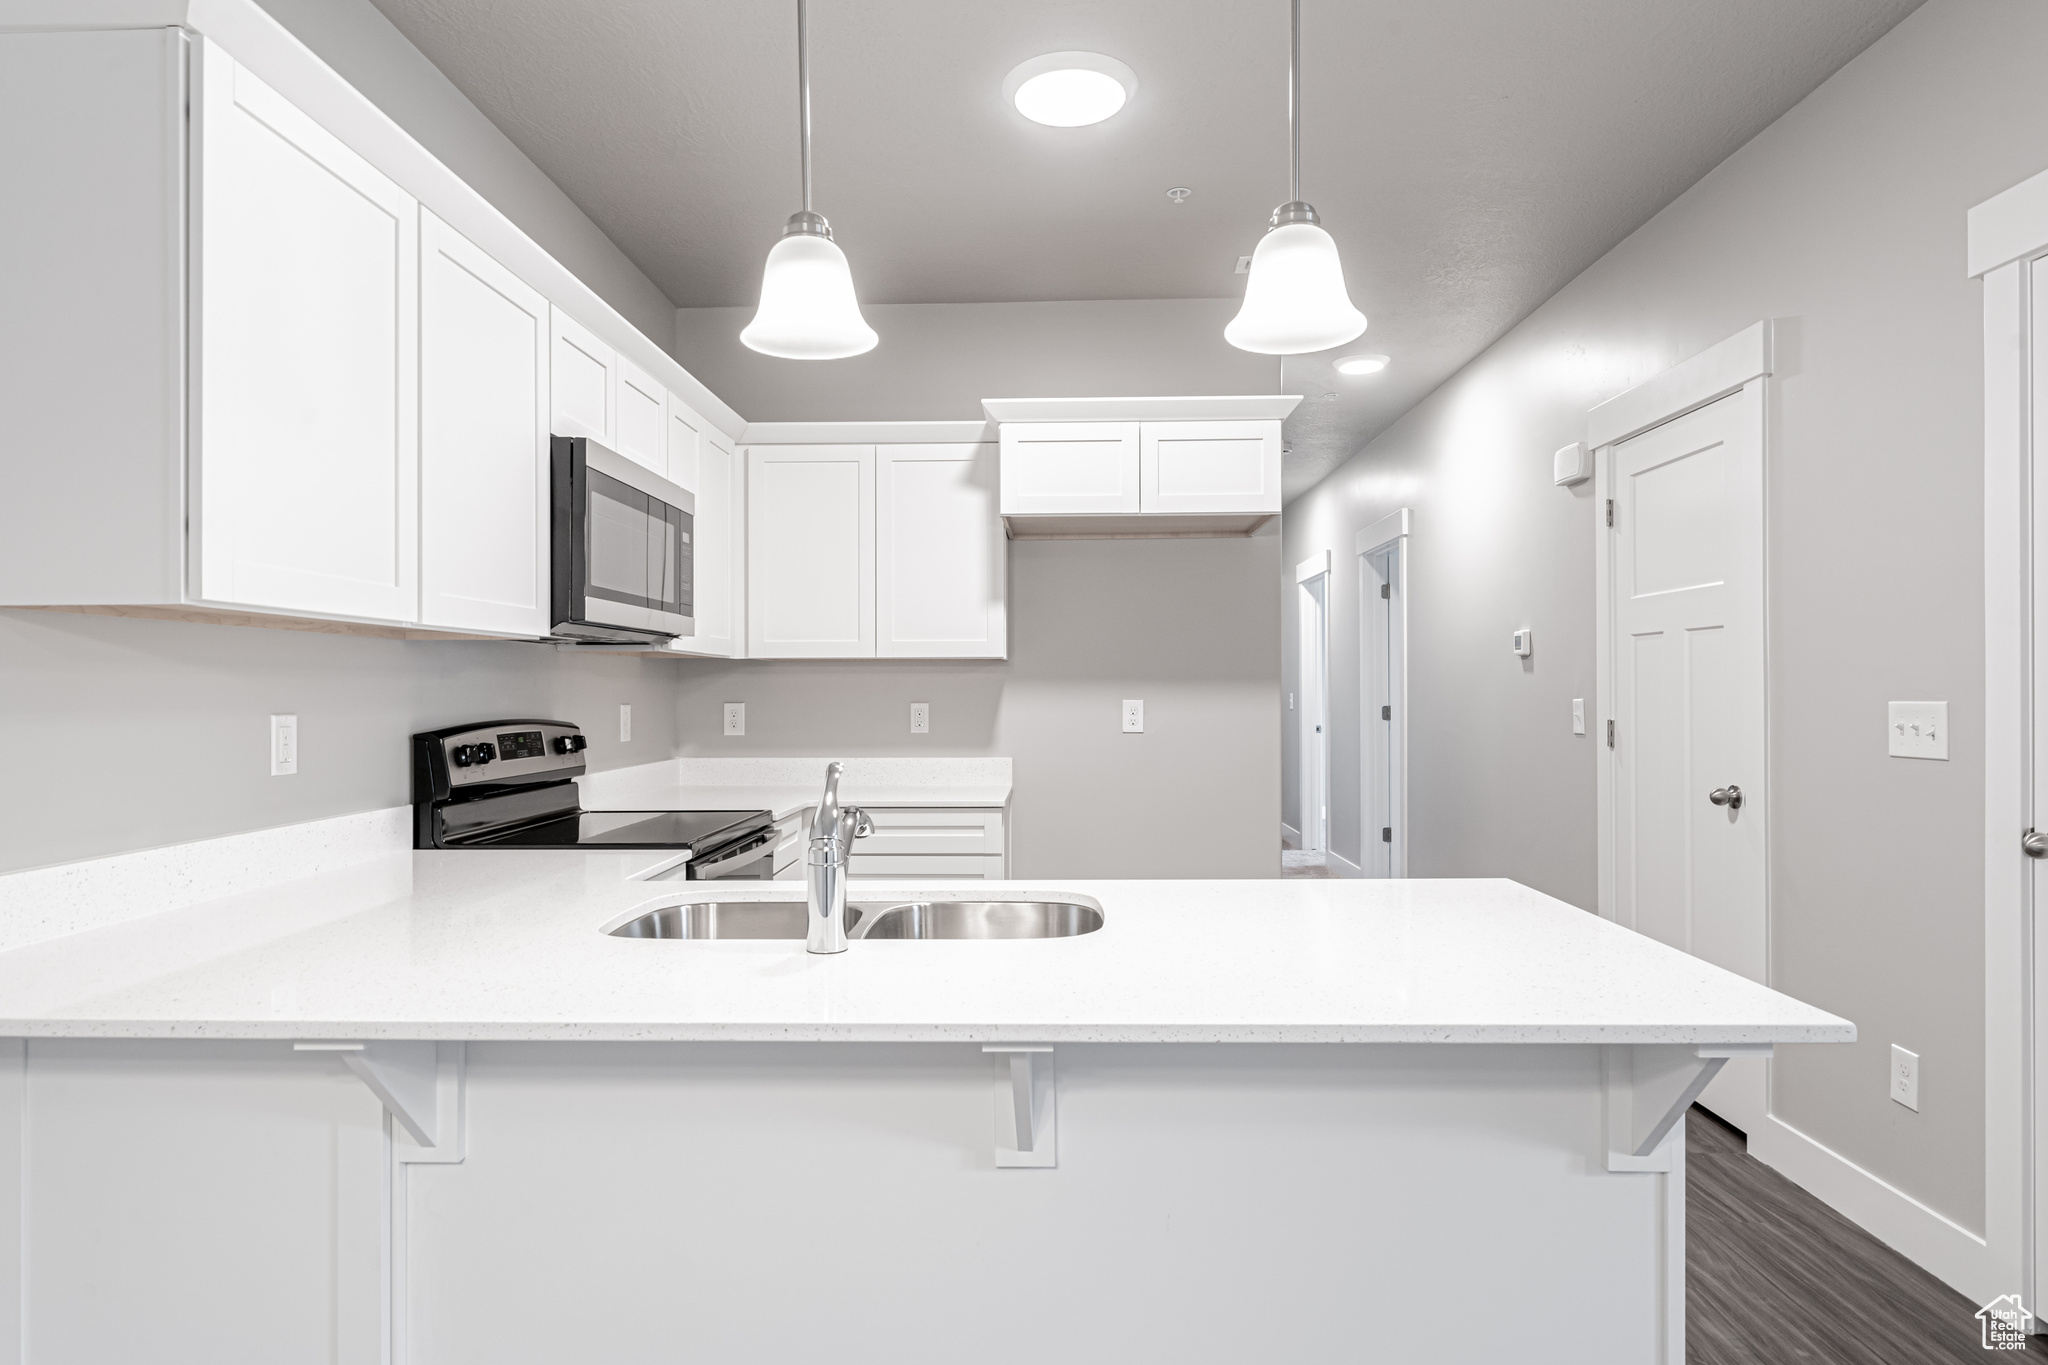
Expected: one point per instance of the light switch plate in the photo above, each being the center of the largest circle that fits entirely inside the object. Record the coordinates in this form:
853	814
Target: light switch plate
1918	729
284	745
1134	717
920	718
1906	1077
735	718
1578	715
625	722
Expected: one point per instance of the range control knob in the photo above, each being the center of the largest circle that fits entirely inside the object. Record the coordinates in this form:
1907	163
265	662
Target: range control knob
570	744
463	755
486	752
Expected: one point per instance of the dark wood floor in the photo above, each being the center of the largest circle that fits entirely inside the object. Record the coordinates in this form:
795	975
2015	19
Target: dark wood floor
1775	1277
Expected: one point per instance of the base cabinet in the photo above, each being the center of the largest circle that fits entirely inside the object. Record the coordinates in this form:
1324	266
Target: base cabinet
193	1203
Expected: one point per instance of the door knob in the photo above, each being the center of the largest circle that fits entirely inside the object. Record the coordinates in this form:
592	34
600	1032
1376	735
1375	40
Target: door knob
1731	797
2034	844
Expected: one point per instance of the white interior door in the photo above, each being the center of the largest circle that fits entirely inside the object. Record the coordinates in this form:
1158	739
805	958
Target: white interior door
1688	699
483	440
1312	595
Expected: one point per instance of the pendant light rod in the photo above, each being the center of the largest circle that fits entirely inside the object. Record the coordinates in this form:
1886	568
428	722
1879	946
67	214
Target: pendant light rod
803	87
1293	107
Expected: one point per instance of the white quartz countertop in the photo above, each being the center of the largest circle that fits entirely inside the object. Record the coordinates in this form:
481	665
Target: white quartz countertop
503	944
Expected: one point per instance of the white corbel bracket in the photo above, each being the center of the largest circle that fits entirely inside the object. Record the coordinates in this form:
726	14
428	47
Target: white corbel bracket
1649	1088
1026	1107
420	1084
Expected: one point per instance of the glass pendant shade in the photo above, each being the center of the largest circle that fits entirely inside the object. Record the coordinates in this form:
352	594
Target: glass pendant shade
808	309
1294	296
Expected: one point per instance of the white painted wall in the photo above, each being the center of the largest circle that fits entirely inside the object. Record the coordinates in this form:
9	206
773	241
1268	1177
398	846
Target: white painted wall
1844	221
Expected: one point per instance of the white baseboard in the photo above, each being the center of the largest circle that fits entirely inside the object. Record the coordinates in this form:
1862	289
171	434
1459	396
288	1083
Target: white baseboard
1289	834
1942	1247
1341	866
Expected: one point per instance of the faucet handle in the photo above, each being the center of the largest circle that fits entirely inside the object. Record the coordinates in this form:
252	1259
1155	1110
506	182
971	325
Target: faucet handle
863	826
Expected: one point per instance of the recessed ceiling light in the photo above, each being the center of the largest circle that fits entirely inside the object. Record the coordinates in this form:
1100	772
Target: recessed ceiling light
1070	89
1360	364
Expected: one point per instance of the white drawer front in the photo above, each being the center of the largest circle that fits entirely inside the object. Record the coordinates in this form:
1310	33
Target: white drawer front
925	867
959	831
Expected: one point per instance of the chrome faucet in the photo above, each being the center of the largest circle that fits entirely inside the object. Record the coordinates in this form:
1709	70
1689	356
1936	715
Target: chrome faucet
833	831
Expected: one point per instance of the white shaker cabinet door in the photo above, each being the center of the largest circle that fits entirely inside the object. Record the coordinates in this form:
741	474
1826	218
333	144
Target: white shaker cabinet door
483	440
810	552
307	486
718	566
940	553
686	432
1211	467
1075	468
583	376
641	423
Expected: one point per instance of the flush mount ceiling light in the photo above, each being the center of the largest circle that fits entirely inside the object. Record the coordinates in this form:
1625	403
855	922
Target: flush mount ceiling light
1070	89
808	310
1360	364
1294	299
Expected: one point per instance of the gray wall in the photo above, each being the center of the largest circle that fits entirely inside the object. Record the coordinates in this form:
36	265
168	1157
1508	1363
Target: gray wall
1186	625
354	38
1844	221
1189	626
937	361
128	734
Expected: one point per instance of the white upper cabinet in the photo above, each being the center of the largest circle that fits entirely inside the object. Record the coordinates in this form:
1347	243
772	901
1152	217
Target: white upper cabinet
685	435
1070	468
811	552
307	477
483	440
1197	467
718	565
940	553
584	377
641	421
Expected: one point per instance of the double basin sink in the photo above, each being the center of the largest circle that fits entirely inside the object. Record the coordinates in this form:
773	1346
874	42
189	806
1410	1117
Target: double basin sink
883	919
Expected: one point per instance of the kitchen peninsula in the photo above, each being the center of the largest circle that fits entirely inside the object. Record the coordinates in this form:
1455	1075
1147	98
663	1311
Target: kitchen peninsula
430	1096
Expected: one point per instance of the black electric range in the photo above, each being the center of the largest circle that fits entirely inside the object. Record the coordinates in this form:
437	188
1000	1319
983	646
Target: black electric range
511	784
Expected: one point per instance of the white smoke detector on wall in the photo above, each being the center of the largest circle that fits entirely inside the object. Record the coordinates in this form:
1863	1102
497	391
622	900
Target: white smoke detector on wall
1571	465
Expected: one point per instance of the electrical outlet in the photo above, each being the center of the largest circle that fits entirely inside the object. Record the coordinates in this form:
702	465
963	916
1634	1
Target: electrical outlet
1918	729
1906	1077
284	745
920	718
735	718
1134	717
625	723
1578	715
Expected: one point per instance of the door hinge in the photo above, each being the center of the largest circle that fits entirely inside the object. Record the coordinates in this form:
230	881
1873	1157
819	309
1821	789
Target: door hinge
1386	713
1610	511
1386	590
1610	734
1386	834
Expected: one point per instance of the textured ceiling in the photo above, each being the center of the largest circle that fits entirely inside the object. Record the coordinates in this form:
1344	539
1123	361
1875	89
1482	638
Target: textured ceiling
1469	156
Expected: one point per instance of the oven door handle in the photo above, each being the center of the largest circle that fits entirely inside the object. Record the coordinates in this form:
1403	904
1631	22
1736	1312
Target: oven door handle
737	853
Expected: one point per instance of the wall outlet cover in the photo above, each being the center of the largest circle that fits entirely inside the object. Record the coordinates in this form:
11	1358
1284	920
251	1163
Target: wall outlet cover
920	718
735	718
1918	729
1906	1077
625	722
284	745
1134	717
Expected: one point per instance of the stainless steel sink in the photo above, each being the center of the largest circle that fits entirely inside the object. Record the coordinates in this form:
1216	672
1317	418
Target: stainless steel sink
885	919
719	919
981	919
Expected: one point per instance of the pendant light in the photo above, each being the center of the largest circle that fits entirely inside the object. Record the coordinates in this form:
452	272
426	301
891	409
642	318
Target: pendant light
808	309
1294	299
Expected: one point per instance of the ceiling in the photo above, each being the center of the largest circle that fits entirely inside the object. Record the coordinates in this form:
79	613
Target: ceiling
1469	156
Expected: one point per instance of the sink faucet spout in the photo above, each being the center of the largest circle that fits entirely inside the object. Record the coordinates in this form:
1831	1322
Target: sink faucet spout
833	831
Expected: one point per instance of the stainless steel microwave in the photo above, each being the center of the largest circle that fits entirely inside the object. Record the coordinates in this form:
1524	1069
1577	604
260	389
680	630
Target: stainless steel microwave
621	548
